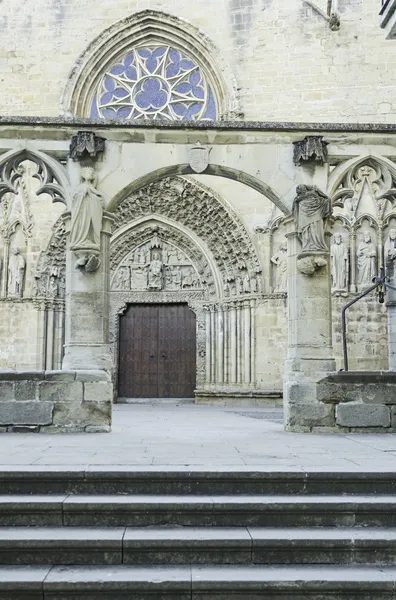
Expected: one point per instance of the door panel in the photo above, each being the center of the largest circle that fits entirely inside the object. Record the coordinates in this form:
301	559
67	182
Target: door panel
157	351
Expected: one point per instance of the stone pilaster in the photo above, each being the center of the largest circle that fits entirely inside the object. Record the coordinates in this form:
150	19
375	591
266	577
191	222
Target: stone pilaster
87	308
309	352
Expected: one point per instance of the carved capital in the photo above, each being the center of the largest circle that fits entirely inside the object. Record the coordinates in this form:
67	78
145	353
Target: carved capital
312	149
86	143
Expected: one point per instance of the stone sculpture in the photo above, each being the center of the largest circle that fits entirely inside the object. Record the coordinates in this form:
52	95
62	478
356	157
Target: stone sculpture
339	263
86	223
366	260
311	208
280	260
16	273
390	246
154	275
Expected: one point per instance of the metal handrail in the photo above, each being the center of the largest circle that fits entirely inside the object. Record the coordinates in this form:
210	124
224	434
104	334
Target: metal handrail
381	280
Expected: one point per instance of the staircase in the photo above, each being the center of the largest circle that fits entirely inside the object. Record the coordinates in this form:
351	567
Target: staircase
144	534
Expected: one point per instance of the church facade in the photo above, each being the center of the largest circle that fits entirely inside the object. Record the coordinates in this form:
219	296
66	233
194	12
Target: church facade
150	160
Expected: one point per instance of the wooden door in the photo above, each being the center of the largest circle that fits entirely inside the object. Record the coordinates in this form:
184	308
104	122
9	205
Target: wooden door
157	352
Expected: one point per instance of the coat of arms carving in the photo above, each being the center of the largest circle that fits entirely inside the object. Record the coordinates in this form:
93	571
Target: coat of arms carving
198	157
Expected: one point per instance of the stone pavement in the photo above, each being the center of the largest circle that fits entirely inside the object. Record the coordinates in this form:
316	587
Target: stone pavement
181	434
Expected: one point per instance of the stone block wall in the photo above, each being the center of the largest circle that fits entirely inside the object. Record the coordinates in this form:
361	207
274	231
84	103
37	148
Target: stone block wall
55	401
287	63
355	401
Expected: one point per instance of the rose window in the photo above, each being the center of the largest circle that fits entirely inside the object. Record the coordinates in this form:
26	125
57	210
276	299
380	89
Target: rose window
154	82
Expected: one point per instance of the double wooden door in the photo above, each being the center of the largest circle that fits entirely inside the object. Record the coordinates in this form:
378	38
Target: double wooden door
157	351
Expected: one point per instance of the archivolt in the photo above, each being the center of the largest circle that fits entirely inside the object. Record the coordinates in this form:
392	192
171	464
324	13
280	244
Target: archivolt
195	208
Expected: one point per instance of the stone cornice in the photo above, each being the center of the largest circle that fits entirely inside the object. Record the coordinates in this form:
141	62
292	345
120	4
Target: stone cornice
44	122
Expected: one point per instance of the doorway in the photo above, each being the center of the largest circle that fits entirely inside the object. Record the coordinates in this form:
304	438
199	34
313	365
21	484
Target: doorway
157	351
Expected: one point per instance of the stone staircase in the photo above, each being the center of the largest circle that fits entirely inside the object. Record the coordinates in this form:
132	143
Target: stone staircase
142	534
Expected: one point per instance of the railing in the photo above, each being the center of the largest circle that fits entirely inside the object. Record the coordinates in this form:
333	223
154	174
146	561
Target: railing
384	4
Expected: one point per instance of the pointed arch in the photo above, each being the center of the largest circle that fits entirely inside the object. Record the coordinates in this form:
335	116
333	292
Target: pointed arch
50	173
143	28
341	171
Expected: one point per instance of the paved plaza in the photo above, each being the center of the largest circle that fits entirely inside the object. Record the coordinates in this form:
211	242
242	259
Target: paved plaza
179	434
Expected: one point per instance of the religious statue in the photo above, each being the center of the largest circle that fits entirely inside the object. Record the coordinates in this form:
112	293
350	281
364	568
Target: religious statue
311	208
16	273
53	287
280	260
177	277
366	260
390	246
154	274
339	263
86	223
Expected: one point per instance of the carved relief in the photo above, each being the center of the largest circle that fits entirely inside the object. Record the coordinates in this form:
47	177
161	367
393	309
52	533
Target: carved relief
86	222
192	206
52	178
366	189
50	273
156	265
390	245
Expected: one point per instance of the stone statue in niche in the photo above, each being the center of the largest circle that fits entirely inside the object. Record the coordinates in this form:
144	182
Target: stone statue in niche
16	273
366	260
390	246
339	263
86	223
246	284
280	261
155	272
311	208
53	287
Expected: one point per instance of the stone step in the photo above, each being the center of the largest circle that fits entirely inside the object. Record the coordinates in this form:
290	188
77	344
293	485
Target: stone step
157	480
208	511
197	583
185	545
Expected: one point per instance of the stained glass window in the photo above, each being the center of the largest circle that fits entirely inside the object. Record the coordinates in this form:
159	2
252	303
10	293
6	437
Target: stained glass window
155	82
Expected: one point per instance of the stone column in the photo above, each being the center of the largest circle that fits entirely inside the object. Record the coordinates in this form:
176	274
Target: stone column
87	307
309	352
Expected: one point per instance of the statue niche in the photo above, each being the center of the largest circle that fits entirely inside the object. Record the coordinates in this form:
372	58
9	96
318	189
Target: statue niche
16	273
366	260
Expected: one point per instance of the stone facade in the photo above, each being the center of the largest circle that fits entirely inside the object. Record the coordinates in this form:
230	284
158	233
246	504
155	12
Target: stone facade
184	196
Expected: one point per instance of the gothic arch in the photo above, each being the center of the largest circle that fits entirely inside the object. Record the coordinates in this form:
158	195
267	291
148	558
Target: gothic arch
142	28
342	170
195	210
185	169
50	173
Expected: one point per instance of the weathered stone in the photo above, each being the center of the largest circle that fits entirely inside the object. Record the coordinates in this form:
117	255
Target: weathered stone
61	391
21	375
90	376
82	415
363	415
98	429
26	413
25	390
308	415
98	392
6	390
60	375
